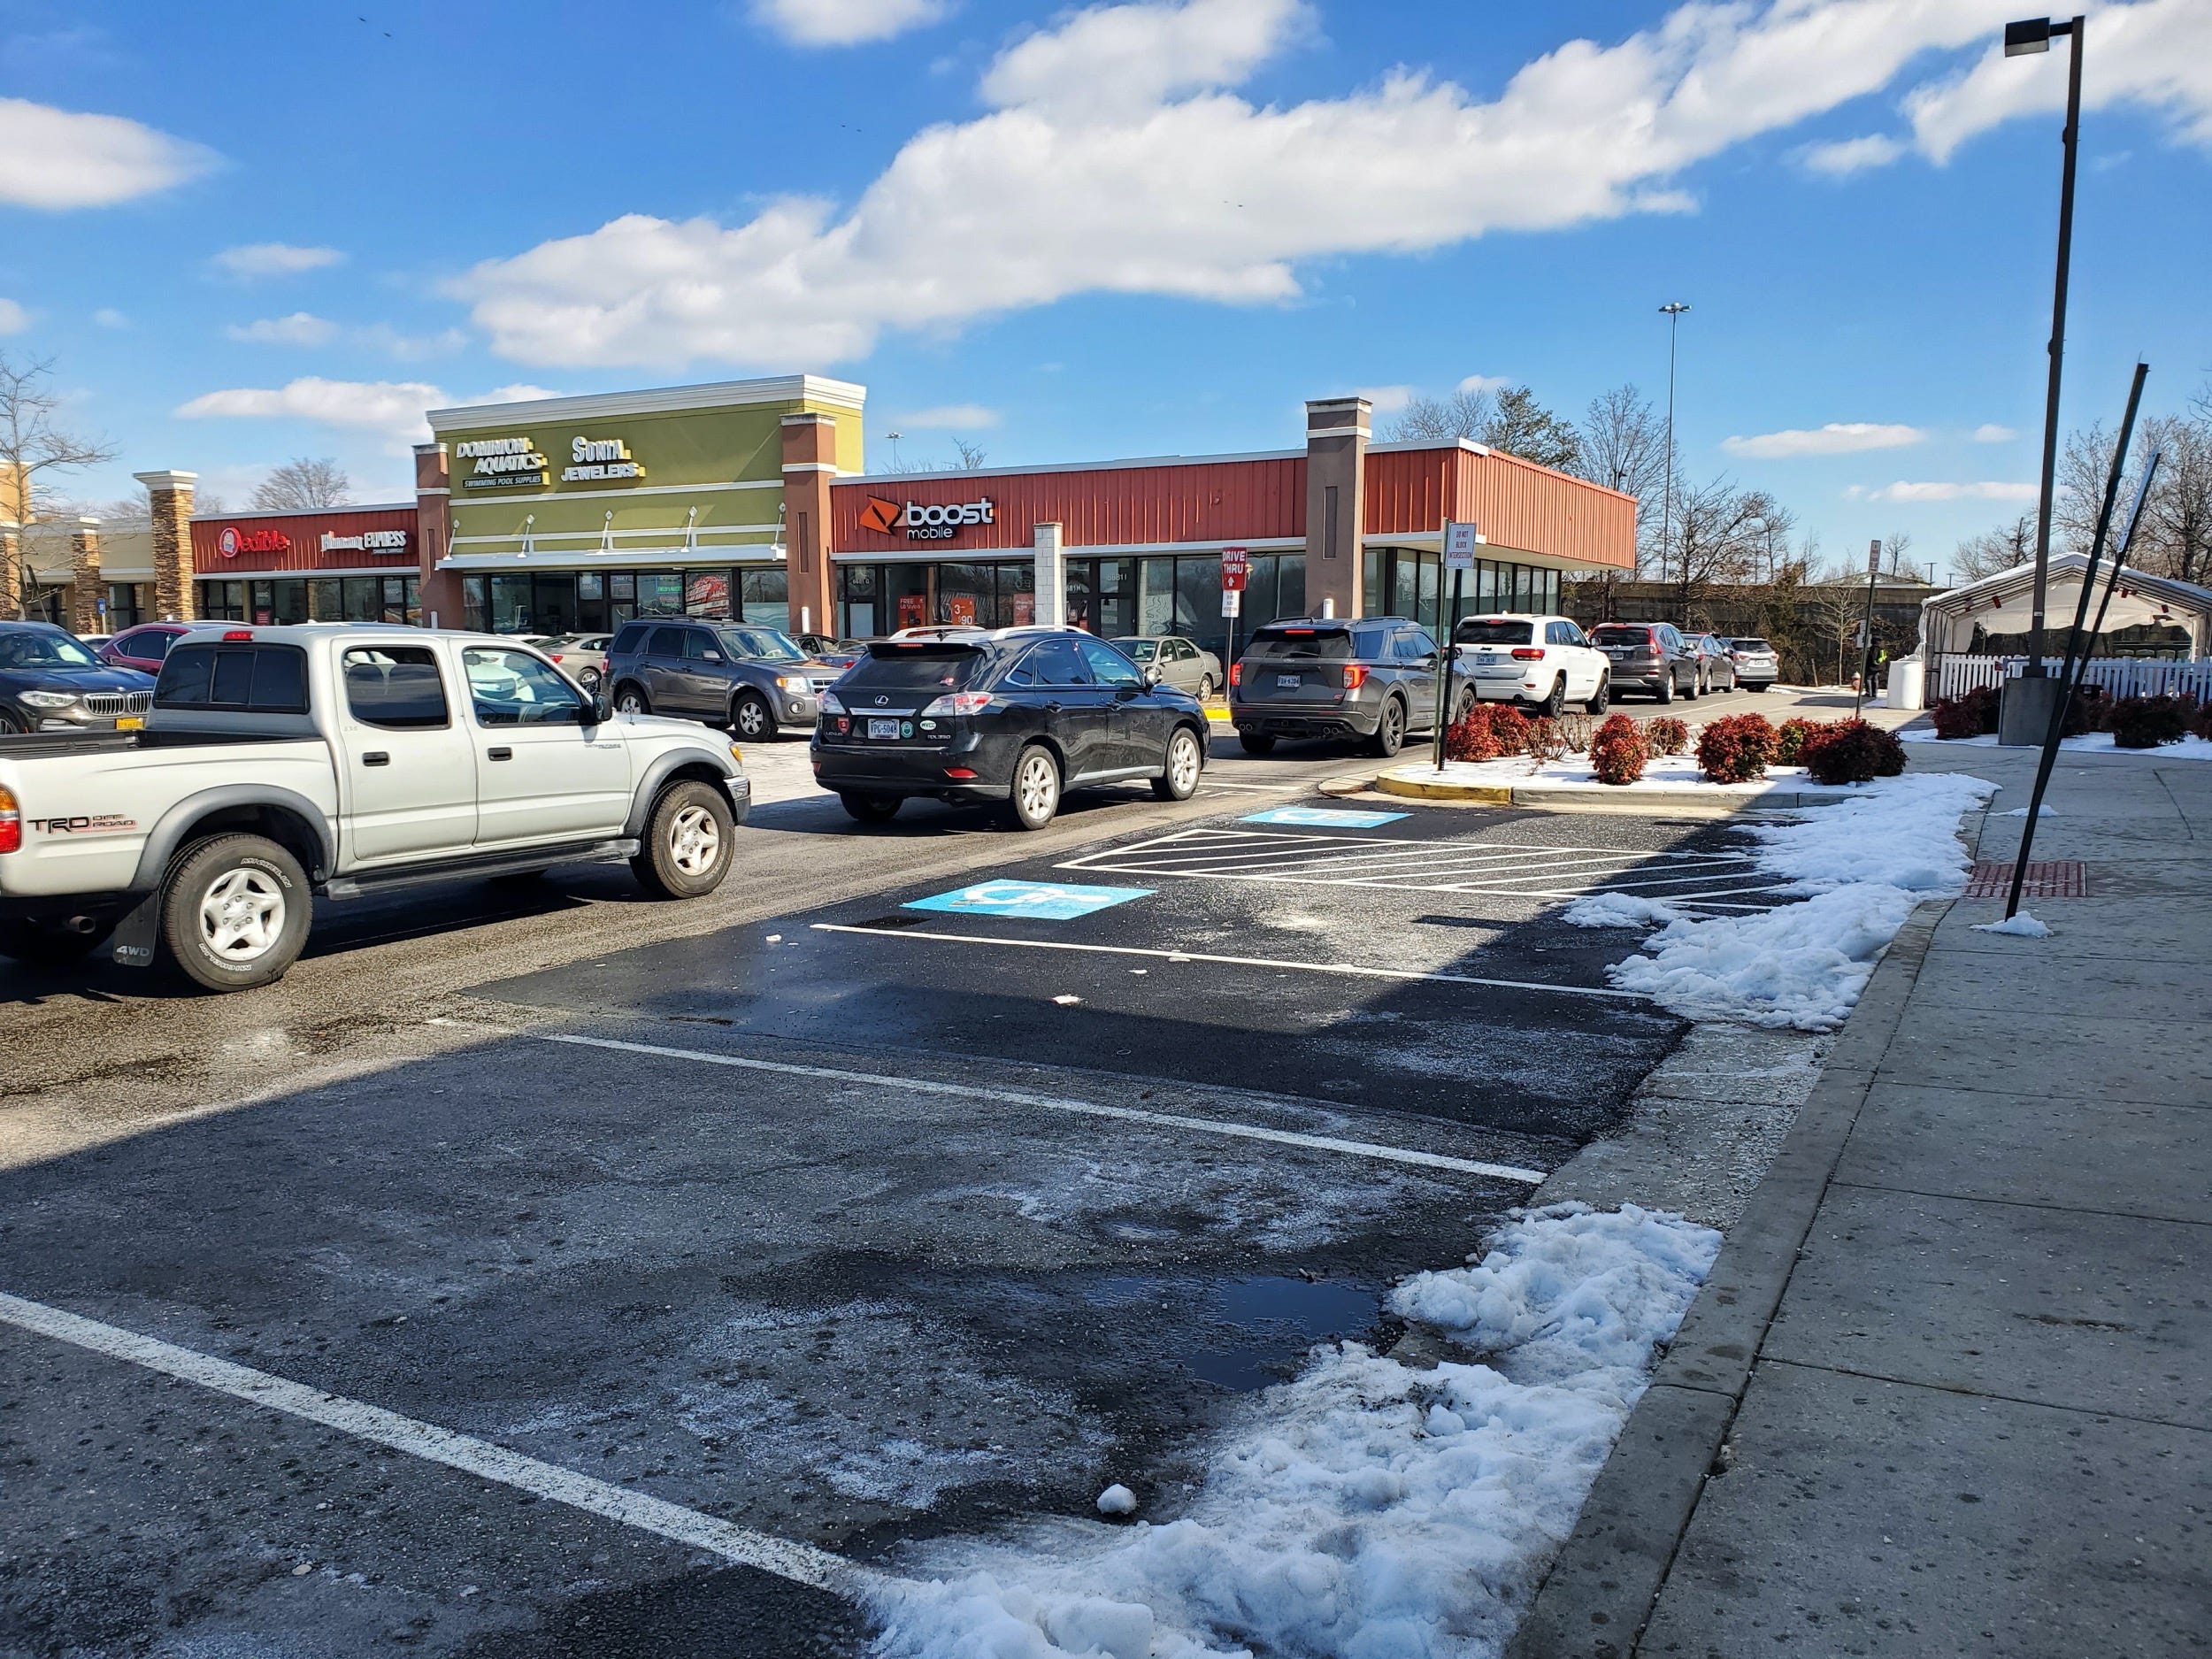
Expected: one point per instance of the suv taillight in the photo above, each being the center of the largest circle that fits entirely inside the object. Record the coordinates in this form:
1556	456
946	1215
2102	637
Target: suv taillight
960	703
11	824
1528	653
1236	674
1355	676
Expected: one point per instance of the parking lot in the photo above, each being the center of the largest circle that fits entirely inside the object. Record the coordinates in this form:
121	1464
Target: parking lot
895	1219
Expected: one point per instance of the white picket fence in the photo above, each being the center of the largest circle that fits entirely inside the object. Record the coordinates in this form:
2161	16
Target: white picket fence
2120	676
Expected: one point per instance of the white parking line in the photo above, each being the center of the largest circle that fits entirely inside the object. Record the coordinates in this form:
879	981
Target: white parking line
1060	1103
1356	969
802	1563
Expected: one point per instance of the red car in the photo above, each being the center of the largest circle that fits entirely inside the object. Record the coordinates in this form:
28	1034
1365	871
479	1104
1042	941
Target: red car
144	648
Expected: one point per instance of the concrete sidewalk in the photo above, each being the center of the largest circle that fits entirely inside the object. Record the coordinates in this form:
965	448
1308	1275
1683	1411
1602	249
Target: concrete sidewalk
1949	1388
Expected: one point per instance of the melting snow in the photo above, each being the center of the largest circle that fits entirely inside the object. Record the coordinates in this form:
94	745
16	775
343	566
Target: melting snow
2020	926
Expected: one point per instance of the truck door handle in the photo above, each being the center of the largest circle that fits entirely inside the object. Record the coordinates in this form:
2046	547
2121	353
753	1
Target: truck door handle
500	754
376	757
1052	708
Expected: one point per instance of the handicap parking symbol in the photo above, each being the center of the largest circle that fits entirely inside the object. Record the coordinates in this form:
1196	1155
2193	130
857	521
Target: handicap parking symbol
1047	900
1323	817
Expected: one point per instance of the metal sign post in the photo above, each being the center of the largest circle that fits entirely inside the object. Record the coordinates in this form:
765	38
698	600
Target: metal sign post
1460	543
1235	565
1866	628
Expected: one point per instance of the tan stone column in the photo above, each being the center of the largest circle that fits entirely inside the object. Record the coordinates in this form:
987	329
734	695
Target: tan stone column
1337	431
444	605
86	588
809	462
10	569
171	494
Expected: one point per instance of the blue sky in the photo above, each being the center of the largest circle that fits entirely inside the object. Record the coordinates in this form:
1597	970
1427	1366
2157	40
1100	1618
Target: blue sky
245	235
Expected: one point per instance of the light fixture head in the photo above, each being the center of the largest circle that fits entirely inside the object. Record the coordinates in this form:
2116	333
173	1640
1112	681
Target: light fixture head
1673	308
2031	35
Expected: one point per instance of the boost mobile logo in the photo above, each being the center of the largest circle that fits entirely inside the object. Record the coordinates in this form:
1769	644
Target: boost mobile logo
933	522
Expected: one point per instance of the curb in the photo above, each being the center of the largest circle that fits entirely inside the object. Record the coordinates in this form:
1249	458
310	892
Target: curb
1601	1590
1599	797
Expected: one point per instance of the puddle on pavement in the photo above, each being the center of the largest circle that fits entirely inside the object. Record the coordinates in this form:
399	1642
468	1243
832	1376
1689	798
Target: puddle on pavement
1248	1332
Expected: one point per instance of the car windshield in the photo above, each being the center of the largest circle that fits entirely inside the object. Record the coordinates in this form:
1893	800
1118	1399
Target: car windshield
35	649
1486	631
1138	650
1615	633
1752	645
1312	645
761	645
922	666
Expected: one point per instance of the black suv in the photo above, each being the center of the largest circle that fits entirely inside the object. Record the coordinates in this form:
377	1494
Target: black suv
1373	679
1015	715
743	675
50	681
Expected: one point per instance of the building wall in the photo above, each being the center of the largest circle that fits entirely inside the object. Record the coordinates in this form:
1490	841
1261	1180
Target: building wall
294	541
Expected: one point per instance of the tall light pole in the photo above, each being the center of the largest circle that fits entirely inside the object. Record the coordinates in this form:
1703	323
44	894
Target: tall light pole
894	437
1672	311
2034	36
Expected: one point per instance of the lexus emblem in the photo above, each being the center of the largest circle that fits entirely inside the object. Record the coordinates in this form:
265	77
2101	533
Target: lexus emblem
882	702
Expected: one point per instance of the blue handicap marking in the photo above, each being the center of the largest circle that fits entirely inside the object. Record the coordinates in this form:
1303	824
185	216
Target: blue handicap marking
1048	901
1323	817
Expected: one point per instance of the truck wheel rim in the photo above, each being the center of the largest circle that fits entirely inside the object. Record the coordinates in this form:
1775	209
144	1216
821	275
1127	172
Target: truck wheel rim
1182	762
241	915
1037	787
694	841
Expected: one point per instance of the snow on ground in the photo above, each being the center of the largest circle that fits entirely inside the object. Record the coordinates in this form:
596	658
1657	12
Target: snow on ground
2190	747
2019	925
1369	1509
1866	862
1660	772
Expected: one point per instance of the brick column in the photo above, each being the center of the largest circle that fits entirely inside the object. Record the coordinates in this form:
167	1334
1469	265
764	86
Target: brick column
443	602
809	462
1336	502
171	494
10	569
86	589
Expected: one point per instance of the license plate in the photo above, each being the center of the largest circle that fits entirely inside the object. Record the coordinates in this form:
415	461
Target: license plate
1290	680
1617	654
1486	657
130	723
883	728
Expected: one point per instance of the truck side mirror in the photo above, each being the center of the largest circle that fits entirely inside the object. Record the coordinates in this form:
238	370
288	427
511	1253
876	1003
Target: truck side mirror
602	710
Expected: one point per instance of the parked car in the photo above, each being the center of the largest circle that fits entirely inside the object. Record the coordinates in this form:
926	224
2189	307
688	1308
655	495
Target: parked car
1373	679
1756	666
141	648
1714	665
742	675
582	656
279	765
1652	658
839	654
1017	715
1542	660
1183	664
51	682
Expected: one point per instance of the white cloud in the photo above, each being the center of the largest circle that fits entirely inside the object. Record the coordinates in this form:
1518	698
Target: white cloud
520	393
1485	382
1387	400
108	316
1990	432
844	22
1849	155
949	417
60	159
274	258
1987	491
1837	437
409	348
301	328
13	319
391	408
1119	160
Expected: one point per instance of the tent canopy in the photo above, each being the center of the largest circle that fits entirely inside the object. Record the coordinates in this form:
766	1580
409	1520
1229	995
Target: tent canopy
2002	604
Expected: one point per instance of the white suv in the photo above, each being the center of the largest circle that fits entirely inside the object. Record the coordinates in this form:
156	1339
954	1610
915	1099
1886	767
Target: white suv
1542	660
1756	666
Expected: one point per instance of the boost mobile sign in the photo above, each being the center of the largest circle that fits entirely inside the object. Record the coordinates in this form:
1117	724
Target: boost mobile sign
933	522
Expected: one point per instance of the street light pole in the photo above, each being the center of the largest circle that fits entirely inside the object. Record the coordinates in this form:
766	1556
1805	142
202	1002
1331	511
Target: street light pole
1672	311
2034	36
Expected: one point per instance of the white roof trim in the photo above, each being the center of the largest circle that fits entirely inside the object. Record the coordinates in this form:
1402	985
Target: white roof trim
782	388
305	512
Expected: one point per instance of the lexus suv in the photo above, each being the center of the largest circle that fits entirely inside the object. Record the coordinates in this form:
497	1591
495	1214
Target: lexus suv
1373	679
1013	715
751	679
50	681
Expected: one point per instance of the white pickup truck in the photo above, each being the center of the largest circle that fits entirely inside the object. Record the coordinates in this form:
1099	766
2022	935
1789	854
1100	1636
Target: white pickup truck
279	763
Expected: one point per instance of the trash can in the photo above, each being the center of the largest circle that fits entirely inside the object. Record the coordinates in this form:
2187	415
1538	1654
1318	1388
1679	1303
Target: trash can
1907	683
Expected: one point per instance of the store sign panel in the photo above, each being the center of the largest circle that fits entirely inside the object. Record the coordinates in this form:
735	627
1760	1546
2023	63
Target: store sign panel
596	460
502	463
937	521
367	542
233	541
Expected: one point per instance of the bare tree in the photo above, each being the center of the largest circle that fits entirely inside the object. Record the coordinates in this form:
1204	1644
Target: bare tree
33	451
1623	445
1896	545
2176	528
972	455
1719	536
304	481
1443	419
2083	463
1837	602
2003	549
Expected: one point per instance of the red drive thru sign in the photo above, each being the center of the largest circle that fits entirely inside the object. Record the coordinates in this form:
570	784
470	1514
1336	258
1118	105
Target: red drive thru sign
1234	563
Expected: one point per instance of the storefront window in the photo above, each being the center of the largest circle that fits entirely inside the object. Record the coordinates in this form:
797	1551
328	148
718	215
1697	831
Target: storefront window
857	591
905	599
660	594
122	607
476	605
707	594
223	601
1155	603
1198	602
765	597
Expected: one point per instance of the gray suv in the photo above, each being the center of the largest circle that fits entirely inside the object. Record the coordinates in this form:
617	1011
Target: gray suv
741	675
1373	679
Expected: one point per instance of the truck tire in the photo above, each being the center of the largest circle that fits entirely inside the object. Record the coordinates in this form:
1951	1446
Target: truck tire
1256	743
235	912
1180	768
690	838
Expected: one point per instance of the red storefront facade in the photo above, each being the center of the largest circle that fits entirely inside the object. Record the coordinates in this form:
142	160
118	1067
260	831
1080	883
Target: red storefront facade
319	564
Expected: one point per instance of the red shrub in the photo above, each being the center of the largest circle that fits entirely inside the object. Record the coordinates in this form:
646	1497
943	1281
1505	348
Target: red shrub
1736	749
2147	722
1971	714
2203	725
1487	730
2090	711
1852	751
1666	735
1790	740
1616	752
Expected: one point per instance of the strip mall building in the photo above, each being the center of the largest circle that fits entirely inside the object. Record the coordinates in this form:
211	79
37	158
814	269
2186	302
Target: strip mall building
748	499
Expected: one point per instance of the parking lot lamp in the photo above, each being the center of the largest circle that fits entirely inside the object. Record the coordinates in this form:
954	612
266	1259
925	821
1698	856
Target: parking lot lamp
1672	311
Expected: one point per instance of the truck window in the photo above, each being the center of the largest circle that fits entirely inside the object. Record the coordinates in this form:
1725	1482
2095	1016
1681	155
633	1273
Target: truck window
515	688
234	678
1302	643
397	687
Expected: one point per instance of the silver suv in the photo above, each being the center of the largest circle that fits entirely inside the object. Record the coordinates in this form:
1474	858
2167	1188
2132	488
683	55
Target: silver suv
742	675
1373	679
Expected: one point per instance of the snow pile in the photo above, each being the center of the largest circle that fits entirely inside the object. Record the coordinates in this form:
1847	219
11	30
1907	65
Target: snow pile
2190	748
1867	862
1368	1509
2040	812
1618	909
2019	925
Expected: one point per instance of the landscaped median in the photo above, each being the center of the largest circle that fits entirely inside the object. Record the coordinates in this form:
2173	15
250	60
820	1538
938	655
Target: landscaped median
1669	783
